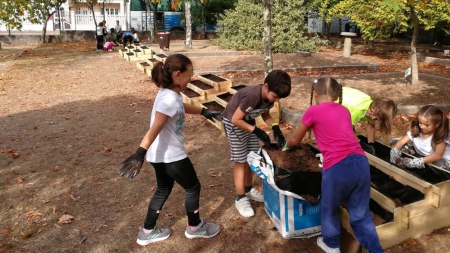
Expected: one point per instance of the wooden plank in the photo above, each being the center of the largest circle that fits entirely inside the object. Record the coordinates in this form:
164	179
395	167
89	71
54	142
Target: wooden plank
429	216
385	202
414	232
399	175
221	101
444	193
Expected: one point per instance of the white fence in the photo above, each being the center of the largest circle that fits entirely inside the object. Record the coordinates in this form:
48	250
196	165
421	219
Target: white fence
72	21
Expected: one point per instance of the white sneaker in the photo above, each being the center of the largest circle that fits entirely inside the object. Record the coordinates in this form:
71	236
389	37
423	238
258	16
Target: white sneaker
325	248
244	207
255	195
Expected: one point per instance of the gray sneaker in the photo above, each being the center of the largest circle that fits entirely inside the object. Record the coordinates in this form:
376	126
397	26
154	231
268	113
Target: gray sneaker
158	234
206	230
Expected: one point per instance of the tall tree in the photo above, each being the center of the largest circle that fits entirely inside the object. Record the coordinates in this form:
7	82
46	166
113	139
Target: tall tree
268	59
12	13
380	19
40	12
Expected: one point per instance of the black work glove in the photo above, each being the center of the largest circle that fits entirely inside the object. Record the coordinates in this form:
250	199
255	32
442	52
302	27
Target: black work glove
278	136
133	164
368	147
262	135
210	114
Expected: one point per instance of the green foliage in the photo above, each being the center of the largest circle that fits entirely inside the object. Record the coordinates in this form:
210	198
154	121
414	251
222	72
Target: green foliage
41	10
242	27
381	19
11	13
212	11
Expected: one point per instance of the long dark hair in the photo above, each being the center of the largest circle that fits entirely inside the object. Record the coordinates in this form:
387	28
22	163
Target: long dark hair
327	86
162	71
436	116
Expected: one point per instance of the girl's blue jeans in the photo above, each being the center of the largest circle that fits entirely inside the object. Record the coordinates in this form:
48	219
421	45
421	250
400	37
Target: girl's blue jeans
348	181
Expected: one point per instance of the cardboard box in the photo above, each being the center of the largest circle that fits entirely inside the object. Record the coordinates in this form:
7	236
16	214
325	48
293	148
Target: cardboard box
293	217
291	214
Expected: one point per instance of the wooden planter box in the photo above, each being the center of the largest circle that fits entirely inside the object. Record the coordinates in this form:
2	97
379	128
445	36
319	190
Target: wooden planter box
222	84
413	219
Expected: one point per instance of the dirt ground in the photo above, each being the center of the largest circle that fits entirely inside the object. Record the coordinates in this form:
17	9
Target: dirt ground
70	115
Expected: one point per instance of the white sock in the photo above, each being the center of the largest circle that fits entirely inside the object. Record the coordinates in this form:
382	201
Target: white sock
147	231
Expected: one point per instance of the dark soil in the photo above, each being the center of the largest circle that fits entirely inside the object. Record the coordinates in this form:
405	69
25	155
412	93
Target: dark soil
190	93
145	64
213	78
214	106
202	85
297	172
130	54
137	51
153	60
225	97
161	55
300	157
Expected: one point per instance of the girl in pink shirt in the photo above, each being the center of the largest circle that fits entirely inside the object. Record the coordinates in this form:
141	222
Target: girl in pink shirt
345	171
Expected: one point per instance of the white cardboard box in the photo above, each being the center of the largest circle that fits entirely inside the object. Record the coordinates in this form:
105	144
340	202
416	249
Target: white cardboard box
291	214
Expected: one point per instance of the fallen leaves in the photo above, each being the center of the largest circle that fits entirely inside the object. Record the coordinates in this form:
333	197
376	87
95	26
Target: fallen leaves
14	153
65	219
6	231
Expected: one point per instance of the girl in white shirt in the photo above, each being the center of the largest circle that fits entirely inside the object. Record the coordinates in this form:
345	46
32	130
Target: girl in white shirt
430	137
163	147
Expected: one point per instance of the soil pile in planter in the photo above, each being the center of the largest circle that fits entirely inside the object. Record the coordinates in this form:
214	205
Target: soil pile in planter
297	171
299	157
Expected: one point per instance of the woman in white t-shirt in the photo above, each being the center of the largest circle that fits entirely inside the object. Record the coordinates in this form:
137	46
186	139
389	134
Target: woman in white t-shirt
430	137
163	147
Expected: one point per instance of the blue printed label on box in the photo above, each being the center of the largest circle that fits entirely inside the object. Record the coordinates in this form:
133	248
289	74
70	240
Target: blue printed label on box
294	218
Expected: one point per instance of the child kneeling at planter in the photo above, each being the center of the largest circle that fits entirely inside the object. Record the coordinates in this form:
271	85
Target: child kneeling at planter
345	169
429	134
239	122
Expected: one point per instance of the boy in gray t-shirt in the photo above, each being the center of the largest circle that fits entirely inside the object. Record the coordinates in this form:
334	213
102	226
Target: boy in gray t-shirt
239	122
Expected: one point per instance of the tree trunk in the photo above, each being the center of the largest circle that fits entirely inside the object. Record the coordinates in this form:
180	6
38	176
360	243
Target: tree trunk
188	24
327	30
91	7
414	67
155	17
268	60
44	31
149	20
203	32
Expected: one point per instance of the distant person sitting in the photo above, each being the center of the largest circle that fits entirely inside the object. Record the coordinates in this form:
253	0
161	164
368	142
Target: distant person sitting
135	36
127	37
112	35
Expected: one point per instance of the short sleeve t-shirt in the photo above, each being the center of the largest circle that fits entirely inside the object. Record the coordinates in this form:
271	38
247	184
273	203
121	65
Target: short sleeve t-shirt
168	145
357	102
424	148
333	132
250	102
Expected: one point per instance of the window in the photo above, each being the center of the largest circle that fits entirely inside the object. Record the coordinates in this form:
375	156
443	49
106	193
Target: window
111	11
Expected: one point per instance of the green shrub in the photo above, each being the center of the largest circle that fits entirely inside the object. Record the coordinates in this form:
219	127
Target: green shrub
242	28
